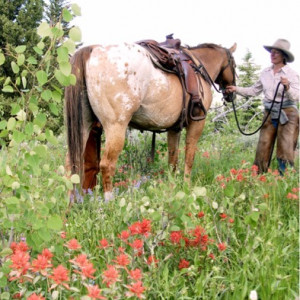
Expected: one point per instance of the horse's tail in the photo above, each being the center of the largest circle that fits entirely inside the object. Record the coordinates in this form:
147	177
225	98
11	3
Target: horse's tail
76	99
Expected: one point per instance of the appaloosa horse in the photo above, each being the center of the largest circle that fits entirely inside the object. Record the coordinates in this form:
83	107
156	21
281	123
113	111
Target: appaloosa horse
118	86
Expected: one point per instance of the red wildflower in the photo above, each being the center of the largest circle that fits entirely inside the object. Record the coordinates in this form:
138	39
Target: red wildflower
135	274
104	244
80	260
152	260
22	247
254	168
137	244
122	260
222	185
94	292
136	228
20	261
124	235
110	275
292	196
231	220
183	264
223	216
73	244
222	246
60	274
211	255
34	296
136	289
263	178
239	177
295	189
175	237
63	234
47	253
205	154
40	264
200	214
17	296
146	227
233	171
220	177
87	271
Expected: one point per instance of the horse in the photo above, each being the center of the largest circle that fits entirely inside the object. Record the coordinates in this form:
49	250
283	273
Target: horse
118	86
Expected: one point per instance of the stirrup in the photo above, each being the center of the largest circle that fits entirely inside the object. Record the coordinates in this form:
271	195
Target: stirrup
202	108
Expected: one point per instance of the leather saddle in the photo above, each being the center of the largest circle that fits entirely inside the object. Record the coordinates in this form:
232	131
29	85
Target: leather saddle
170	56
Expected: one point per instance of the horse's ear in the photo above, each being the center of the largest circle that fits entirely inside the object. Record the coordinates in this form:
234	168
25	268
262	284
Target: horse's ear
233	48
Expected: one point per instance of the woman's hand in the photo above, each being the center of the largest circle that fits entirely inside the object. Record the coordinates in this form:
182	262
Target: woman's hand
285	82
230	89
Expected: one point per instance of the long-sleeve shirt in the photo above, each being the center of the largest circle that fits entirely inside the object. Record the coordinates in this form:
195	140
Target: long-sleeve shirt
268	82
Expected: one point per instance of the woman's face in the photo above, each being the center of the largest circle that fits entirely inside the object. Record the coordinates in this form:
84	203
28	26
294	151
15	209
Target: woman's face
276	57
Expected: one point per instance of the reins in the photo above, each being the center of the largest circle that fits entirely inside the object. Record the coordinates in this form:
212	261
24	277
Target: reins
267	116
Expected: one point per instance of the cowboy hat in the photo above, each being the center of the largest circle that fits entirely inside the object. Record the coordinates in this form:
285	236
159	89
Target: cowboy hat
284	46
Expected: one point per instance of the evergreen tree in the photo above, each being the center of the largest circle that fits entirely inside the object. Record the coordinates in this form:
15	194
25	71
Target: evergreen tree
248	75
53	12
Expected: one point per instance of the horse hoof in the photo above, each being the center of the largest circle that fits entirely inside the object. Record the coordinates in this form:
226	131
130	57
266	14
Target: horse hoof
108	196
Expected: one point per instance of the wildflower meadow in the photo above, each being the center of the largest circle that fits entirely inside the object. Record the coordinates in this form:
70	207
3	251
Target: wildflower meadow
230	233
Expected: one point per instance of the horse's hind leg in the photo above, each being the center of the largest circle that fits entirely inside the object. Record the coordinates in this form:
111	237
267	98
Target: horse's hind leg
114	143
92	157
173	144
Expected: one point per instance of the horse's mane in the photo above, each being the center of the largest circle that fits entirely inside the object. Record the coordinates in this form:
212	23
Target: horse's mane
205	45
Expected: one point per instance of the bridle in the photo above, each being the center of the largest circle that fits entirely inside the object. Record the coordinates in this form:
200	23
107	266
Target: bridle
230	63
199	67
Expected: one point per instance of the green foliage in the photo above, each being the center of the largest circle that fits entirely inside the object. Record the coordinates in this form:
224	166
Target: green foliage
26	160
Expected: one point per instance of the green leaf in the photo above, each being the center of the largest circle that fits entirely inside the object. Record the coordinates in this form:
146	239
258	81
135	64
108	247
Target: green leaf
229	190
24	82
38	50
55	223
3	124
11	123
54	109
46	95
44	29
41	45
76	9
15	67
70	45
40	120
254	216
8	89
200	191
20	59
75	179
2	58
65	68
61	78
67	16
62	54
56	96
156	216
75	34
18	136
41	77
20	49
45	234
31	60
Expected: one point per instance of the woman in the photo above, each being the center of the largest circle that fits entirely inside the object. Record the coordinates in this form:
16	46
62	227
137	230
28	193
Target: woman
288	125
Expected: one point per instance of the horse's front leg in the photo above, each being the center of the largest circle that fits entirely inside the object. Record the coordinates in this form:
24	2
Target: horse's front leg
114	143
194	131
173	145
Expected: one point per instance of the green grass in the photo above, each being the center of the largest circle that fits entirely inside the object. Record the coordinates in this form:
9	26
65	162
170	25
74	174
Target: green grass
262	251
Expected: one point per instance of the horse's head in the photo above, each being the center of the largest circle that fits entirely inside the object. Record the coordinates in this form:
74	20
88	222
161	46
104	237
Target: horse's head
227	73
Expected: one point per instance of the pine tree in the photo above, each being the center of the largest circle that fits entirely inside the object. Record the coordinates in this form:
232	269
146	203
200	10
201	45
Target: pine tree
248	75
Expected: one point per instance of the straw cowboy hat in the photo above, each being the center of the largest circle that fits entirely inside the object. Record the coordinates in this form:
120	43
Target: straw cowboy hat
284	46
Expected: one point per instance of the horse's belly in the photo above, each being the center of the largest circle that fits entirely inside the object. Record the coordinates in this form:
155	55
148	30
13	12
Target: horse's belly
156	117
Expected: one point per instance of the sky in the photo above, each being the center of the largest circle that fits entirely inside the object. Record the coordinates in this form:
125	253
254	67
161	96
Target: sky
250	24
